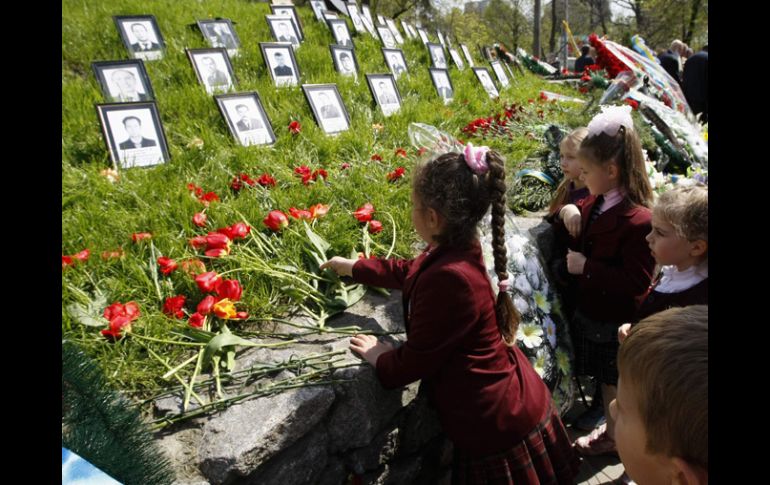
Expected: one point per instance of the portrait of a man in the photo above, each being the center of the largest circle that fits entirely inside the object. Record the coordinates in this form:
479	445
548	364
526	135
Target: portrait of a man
326	107
387	37
144	39
126	87
442	85
346	63
215	78
341	34
438	57
280	68
385	93
246	122
220	36
133	126
396	65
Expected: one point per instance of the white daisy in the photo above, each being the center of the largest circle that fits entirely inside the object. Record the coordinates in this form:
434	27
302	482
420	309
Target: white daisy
530	335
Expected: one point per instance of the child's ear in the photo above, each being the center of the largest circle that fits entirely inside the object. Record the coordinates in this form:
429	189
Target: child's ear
686	473
698	248
613	171
434	218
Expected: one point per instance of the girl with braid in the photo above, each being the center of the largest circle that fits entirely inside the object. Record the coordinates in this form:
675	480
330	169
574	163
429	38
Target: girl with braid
460	337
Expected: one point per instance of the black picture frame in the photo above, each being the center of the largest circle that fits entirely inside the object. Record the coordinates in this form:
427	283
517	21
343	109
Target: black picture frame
357	18
444	92
337	52
329	15
269	49
423	35
115	85
394	30
251	126
467	53
318	7
335	25
327	120
279	27
441	39
117	126
131	36
458	61
435	60
367	12
407	31
282	9
387	54
388	100
226	38
383	31
220	59
502	78
489	87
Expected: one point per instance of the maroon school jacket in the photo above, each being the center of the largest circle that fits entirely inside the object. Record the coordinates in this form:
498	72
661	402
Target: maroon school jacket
487	395
654	301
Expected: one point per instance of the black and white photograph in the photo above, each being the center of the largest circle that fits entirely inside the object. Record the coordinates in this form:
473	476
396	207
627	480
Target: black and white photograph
329	15
443	84
327	106
500	73
441	38
141	36
438	60
340	30
394	30
281	63
133	133
423	35
395	60
380	20
318	7
467	54
457	59
123	81
367	13
369	26
290	11
387	37
213	68
356	17
339	5
345	61
282	27
385	92
246	118
407	30
482	73
220	33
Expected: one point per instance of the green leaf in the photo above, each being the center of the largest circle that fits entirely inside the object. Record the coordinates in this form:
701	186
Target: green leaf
82	315
320	244
222	340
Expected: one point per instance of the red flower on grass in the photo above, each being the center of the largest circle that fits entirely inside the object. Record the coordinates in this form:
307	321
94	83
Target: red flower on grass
400	152
65	261
199	219
198	242
140	236
230	289
295	127
82	255
320	173
300	213
173	306
376	157
266	180
193	267
304	172
364	213
120	317
208	197
319	210
196	320
276	220
345	165
205	305
118	253
396	174
375	226
208	282
167	265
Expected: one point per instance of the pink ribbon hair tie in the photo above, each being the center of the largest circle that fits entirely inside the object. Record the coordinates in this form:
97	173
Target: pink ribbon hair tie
476	158
505	284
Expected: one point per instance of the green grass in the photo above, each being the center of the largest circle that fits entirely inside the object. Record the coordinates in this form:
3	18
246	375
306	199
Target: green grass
100	215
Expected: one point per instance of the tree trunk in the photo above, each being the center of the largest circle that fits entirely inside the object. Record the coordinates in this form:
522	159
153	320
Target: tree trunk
536	31
693	17
603	15
552	41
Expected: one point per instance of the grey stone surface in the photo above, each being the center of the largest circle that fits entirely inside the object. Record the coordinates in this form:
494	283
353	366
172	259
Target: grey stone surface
335	473
380	451
246	434
421	425
402	472
181	447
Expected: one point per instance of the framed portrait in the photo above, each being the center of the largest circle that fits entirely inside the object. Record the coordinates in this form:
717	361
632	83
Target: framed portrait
290	11
133	133
340	31
423	35
394	30
220	33
500	73
367	13
328	15
438	60
380	20
340	5
326	103
141	36
123	81
467	54
443	84
441	38
282	27
482	73
356	17
246	118
213	68
457	59
345	61
385	92
387	37
369	26
281	63
407	31
396	61
318	7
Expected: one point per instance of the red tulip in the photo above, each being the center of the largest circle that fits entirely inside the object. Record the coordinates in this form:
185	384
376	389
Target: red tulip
208	197
304	172
345	165
376	157
295	127
217	252
65	261
375	227
199	219
139	236
586	78
276	220
401	152
266	180
320	173
364	213
245	177
129	311
319	210
196	320
193	267
173	306
236	184
216	240
224	309
300	213
242	315
167	265
543	96
239	230
198	242
396	174
230	289
117	326
204	307
82	255
208	282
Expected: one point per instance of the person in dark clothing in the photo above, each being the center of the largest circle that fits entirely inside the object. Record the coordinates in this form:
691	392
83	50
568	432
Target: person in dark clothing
671	60
584	60
695	83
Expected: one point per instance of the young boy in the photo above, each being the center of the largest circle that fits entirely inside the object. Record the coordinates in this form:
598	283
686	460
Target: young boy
661	408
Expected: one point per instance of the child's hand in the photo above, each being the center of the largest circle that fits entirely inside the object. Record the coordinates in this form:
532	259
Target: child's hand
623	332
368	347
575	262
341	266
570	215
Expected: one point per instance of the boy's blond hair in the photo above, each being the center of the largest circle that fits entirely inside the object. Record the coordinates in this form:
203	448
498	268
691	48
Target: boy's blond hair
665	359
687	209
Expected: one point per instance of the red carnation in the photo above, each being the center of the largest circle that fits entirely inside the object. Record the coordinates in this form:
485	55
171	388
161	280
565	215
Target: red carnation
345	165
173	306
400	152
320	173
375	227
266	180
295	127
139	236
396	174
364	213
376	157
208	197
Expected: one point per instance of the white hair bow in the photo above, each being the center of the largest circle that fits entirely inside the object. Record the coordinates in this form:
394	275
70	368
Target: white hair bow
610	120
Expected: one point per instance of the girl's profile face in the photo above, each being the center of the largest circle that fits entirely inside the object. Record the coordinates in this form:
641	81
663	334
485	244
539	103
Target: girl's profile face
597	176
420	219
569	161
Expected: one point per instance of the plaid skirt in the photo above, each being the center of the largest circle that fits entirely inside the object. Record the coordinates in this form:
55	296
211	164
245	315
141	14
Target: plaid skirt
596	357
544	456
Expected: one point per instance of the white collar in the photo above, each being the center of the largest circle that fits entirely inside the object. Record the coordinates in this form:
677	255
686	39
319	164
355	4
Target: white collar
612	198
675	281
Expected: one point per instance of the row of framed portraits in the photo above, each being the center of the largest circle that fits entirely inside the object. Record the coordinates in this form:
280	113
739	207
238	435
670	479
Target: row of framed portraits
135	138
